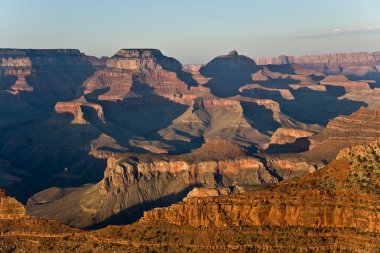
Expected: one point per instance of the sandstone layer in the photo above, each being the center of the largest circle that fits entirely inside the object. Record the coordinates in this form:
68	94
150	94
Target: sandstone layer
134	183
343	196
347	63
359	127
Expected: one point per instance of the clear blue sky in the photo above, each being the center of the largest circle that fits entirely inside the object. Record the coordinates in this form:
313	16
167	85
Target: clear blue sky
193	31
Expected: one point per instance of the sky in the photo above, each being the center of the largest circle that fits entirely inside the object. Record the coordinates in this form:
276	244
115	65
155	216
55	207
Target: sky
193	31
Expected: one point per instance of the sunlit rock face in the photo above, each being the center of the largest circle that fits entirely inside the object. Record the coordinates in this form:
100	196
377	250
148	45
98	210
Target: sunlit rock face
133	183
144	69
342	195
347	63
10	208
359	127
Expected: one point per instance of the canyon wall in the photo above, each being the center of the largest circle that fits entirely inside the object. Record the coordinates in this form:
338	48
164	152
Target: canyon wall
344	194
347	63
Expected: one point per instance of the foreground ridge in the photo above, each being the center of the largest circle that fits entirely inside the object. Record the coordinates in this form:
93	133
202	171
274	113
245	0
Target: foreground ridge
333	209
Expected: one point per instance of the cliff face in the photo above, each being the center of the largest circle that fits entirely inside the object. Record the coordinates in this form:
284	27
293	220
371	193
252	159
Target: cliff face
82	110
10	208
134	183
54	73
130	69
342	81
19	68
359	127
347	63
75	108
272	209
228	73
342	195
284	136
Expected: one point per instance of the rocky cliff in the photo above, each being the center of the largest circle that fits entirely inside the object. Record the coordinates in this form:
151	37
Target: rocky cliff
81	110
130	70
133	183
75	108
359	127
347	63
343	196
228	73
10	208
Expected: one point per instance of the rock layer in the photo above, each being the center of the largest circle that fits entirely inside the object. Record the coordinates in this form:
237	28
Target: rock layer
348	63
344	194
133	183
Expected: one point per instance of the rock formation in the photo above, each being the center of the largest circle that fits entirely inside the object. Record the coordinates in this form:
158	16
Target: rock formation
359	127
332	205
343	196
341	80
10	208
130	68
64	113
347	63
75	108
295	138
229	73
133	183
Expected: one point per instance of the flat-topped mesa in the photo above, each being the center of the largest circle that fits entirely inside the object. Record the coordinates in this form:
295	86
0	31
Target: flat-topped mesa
343	81
139	53
10	208
285	93
134	59
197	168
44	57
148	69
213	103
285	135
10	52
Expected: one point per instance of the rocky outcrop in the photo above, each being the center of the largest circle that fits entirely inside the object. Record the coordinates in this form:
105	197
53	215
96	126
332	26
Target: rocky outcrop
288	135
359	127
75	108
342	195
55	73
274	209
10	208
229	73
192	67
139	68
342	81
292	138
129	187
19	67
285	93
134	183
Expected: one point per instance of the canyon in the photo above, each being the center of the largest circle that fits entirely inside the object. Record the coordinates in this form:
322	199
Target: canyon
321	211
264	146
